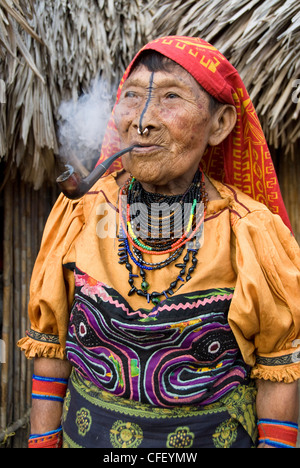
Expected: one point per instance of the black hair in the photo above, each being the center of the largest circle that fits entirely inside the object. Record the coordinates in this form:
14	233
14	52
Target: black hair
154	61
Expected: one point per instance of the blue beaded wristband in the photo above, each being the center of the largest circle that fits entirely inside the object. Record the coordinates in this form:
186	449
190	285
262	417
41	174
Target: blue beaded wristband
34	436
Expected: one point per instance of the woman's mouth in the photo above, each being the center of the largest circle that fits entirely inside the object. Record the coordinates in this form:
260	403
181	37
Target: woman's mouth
142	149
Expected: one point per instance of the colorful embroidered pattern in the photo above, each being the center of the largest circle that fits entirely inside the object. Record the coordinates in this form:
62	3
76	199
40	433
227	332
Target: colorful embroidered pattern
226	434
83	421
125	435
181	438
155	356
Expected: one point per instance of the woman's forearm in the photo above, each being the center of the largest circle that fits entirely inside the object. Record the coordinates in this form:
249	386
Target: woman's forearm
277	400
277	406
46	414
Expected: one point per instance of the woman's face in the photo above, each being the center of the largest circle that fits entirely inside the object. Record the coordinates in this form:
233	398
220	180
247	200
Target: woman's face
175	110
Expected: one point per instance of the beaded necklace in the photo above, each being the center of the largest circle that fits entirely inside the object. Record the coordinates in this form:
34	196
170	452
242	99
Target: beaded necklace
131	246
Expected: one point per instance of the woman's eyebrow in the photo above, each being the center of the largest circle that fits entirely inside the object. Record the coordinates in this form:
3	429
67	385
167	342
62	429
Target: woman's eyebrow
133	82
163	82
170	82
173	83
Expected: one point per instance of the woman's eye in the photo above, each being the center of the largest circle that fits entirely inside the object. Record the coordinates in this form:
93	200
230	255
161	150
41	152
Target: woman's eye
172	96
131	98
130	94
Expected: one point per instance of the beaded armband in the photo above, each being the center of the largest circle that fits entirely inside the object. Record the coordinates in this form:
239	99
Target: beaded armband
52	439
278	434
48	388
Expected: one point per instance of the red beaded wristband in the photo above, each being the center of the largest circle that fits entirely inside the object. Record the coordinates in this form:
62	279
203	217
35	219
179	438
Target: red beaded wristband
53	440
46	388
279	434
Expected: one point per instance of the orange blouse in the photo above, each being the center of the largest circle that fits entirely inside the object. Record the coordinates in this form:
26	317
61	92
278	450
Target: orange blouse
245	247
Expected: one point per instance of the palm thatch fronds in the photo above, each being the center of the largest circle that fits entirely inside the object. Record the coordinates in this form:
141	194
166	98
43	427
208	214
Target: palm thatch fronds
10	38
261	38
13	18
70	43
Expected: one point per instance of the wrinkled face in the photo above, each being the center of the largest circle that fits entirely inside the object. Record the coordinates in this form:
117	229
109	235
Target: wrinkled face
175	110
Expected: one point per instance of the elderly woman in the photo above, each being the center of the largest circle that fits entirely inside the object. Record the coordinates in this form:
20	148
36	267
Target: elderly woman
173	337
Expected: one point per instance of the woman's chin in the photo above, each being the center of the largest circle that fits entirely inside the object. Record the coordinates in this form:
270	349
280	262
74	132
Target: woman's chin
143	168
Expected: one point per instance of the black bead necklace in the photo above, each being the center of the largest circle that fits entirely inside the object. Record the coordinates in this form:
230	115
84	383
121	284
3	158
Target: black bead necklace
135	193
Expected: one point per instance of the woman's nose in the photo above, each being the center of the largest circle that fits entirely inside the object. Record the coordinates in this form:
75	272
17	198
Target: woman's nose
147	118
147	104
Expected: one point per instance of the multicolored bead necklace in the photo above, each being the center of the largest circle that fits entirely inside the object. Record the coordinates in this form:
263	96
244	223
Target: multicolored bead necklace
131	246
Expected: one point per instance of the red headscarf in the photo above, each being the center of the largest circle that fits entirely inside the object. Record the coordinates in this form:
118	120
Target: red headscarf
243	159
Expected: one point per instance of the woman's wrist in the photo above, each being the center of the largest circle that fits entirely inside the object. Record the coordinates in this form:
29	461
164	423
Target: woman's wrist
277	434
50	439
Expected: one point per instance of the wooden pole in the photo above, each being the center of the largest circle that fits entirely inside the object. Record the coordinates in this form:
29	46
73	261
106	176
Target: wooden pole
11	430
16	301
31	220
7	303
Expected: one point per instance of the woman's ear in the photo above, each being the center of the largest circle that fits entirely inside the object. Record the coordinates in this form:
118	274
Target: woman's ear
224	121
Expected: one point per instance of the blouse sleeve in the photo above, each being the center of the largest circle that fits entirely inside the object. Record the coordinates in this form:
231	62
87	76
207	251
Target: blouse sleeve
52	285
265	311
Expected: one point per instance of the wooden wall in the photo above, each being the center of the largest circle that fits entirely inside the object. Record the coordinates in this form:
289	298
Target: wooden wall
289	176
25	214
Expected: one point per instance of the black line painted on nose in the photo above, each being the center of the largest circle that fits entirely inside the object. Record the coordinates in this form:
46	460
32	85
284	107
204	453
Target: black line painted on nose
150	89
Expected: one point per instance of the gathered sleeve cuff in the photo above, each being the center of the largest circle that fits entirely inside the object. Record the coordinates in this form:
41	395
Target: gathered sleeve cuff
52	285
279	367
265	310
36	344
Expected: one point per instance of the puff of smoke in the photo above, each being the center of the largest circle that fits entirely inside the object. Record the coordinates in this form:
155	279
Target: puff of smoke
82	125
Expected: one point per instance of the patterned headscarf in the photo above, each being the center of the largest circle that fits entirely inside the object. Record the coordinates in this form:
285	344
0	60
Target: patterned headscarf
243	158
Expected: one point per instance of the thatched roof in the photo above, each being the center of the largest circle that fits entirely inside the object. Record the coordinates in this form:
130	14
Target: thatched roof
261	38
51	51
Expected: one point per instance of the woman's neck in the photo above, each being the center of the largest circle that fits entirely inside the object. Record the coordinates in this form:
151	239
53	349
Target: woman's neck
212	192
